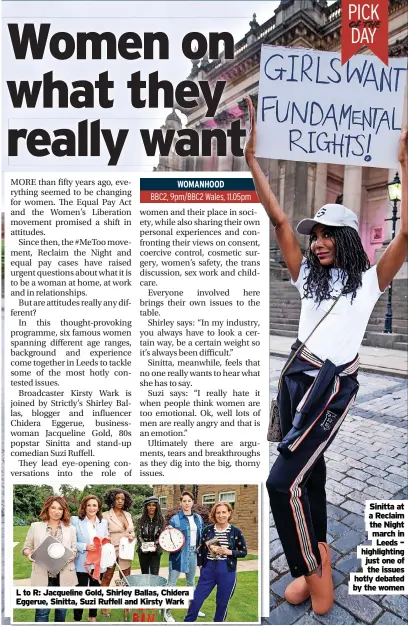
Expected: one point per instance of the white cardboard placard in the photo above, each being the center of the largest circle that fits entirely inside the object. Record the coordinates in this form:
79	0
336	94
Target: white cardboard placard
310	108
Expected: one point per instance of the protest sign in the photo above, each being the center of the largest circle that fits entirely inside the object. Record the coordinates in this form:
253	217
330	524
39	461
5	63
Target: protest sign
311	108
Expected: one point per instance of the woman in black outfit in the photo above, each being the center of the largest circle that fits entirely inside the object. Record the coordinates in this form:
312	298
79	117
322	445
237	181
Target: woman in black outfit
148	528
319	382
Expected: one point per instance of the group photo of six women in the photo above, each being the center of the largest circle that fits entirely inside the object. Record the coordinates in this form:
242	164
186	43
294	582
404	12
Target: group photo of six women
213	548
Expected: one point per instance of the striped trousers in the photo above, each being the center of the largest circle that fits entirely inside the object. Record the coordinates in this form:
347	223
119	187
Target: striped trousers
213	574
296	483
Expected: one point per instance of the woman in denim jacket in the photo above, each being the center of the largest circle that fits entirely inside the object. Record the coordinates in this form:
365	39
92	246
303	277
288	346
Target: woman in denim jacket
185	560
221	545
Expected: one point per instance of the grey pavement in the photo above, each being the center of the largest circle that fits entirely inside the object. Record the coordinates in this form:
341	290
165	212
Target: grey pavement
374	360
367	460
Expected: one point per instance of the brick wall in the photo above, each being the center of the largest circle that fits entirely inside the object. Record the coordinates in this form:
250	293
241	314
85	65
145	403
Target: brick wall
170	492
245	507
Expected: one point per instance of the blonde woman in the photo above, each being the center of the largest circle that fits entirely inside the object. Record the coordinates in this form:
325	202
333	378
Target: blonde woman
221	546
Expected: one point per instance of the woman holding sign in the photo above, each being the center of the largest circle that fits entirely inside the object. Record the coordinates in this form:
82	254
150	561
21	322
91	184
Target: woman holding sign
55	523
90	529
318	384
148	528
184	559
120	527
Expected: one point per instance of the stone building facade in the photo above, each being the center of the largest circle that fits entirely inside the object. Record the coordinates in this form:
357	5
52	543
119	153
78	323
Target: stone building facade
243	498
300	187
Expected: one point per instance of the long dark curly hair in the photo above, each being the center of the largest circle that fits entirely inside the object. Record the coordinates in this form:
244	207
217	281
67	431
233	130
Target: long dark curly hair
109	498
157	517
350	258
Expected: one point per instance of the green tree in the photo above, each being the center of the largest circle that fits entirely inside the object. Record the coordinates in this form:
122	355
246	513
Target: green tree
73	496
28	500
138	493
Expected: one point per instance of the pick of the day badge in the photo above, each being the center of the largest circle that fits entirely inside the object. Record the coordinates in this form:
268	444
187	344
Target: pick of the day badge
364	23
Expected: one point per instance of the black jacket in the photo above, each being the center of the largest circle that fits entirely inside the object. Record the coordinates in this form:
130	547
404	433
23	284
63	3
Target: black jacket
334	388
236	543
148	532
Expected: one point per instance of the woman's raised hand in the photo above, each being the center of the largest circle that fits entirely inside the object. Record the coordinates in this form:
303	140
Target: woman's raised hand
250	145
403	147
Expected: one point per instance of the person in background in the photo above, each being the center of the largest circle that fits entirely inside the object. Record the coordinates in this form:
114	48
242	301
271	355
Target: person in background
221	545
185	560
120	524
88	525
319	382
55	523
148	528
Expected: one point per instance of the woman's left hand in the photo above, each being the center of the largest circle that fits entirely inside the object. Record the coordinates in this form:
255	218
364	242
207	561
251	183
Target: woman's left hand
403	147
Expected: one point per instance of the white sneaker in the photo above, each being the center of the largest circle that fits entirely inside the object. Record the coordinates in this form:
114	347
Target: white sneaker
167	616
201	614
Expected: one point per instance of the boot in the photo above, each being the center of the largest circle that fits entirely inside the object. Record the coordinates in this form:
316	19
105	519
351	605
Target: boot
321	588
297	591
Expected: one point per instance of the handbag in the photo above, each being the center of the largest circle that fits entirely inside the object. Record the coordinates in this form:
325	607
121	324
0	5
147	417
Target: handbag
274	434
108	555
127	549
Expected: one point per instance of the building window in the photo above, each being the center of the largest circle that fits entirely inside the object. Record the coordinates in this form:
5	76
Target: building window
228	496
208	499
162	502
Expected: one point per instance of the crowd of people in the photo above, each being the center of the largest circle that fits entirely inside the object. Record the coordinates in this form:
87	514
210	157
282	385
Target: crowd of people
213	548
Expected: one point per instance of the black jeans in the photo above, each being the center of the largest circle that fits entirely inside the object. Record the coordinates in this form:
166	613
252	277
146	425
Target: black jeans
296	483
85	580
149	562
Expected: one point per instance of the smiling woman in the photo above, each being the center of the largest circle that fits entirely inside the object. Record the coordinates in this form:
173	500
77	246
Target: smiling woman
221	545
89	526
55	524
120	528
318	384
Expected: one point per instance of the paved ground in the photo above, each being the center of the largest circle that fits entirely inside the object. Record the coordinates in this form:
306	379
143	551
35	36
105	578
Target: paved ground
367	460
375	360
